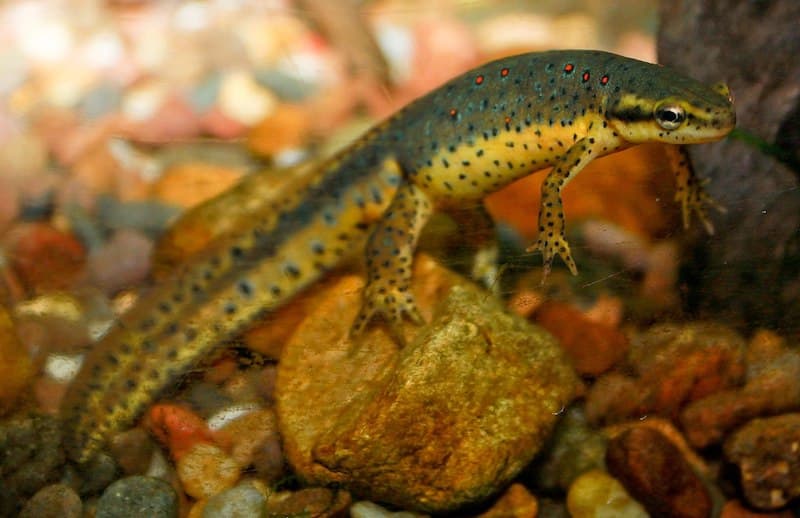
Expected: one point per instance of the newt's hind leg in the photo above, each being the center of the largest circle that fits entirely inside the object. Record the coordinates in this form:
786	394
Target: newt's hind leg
690	190
389	253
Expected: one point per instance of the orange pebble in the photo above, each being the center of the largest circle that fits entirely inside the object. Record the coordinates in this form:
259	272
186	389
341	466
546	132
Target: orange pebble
177	428
206	470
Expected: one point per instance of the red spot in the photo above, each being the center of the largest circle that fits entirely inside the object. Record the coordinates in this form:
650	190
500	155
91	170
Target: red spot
479	80
453	112
604	80
508	120
504	72
569	67
585	76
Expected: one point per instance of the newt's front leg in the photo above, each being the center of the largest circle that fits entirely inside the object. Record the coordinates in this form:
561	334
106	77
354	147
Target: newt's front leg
551	240
389	252
690	191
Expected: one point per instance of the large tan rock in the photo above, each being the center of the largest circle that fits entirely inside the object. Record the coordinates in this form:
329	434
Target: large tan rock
445	421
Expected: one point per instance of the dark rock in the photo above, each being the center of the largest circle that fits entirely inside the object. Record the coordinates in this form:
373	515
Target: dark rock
766	452
55	501
138	496
653	470
573	449
748	272
30	458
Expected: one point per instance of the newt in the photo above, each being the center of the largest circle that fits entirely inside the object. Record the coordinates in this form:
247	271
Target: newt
448	149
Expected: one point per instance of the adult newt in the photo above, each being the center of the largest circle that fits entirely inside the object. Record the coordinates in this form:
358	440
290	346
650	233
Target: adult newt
448	149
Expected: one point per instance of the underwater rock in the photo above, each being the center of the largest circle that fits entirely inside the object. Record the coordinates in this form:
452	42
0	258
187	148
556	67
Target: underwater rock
653	470
241	500
312	501
592	347
766	452
16	367
206	470
596	493
748	273
773	386
516	502
445	421
138	496
54	501
574	448
673	365
30	458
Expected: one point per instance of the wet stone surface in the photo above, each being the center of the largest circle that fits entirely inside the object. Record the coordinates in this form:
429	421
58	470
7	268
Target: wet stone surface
138	496
30	457
654	471
476	386
766	453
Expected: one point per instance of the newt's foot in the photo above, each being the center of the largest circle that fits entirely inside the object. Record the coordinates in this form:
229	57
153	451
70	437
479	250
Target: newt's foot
393	304
550	247
696	200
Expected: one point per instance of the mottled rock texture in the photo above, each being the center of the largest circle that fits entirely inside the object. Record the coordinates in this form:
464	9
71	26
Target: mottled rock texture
445	421
749	271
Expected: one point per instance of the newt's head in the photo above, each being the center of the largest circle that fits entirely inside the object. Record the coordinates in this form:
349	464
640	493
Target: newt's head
664	106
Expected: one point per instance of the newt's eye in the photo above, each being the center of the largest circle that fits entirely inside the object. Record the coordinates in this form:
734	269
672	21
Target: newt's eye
669	116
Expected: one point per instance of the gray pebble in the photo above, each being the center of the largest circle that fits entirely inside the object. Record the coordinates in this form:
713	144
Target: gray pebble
54	501
138	496
242	501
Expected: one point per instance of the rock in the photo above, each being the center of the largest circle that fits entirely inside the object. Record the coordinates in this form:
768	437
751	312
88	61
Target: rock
242	501
251	434
206	470
243	100
765	450
191	183
30	458
285	128
597	494
516	502
122	262
734	509
653	470
54	501
773	386
138	496
475	387
366	509
177	428
673	365
46	259
314	501
133	451
16	368
592	347
667	429
756	242
574	449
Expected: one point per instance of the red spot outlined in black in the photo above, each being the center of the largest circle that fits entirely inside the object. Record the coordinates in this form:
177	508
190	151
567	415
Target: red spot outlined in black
568	68
453	112
604	80
585	76
504	72
479	80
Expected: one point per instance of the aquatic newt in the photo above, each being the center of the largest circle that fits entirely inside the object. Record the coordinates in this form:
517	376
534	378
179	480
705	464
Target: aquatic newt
448	149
